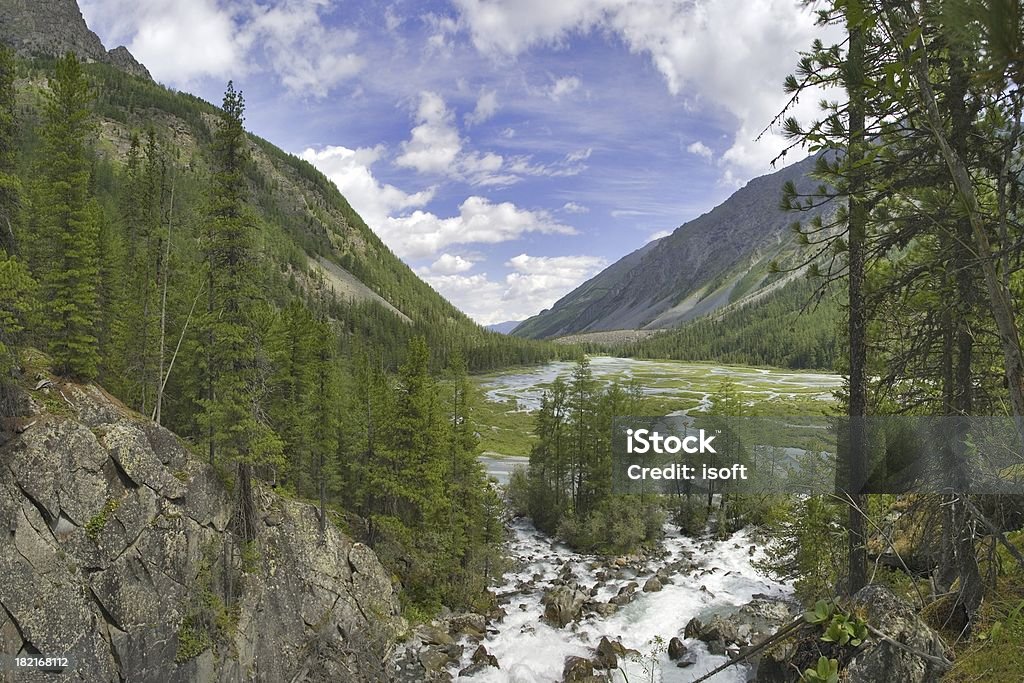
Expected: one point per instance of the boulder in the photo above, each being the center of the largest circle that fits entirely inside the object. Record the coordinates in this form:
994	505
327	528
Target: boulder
676	649
482	656
653	585
563	604
883	661
470	624
577	670
609	652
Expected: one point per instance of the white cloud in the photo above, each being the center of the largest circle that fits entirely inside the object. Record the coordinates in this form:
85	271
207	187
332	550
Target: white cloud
187	40
533	283
436	147
434	143
658	235
486	107
571	164
349	169
573	207
563	86
448	264
740	75
307	56
700	149
422	234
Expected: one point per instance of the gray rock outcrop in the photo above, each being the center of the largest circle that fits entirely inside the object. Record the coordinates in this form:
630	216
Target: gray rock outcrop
55	27
117	552
883	661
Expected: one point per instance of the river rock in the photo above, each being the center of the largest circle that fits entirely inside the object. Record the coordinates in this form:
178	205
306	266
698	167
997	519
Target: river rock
430	634
609	652
605	609
653	585
563	604
676	649
882	661
748	625
470	624
577	670
482	656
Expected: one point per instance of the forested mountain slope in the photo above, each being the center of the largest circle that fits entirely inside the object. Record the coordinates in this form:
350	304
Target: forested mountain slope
705	264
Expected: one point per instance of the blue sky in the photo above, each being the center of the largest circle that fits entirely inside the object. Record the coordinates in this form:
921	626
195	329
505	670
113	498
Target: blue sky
506	149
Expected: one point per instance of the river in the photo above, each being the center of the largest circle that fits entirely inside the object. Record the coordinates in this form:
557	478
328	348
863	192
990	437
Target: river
717	575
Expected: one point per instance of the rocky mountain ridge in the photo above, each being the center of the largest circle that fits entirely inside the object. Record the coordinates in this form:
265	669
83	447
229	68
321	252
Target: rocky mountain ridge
118	552
710	262
54	27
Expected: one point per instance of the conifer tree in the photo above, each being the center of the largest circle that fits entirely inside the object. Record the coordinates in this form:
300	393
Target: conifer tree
68	220
233	410
10	185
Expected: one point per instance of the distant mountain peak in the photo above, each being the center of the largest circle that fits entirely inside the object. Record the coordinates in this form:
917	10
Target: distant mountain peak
55	27
703	266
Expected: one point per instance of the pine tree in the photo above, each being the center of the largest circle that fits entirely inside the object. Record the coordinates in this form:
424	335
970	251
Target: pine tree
10	185
233	411
68	220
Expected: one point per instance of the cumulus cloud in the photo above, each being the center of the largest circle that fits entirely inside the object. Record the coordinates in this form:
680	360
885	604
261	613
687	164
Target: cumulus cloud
658	235
422	234
350	170
187	40
486	107
532	284
573	207
436	147
434	143
740	75
448	264
700	149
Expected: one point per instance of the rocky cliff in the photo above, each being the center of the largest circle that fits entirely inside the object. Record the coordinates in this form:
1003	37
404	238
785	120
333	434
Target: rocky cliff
117	552
54	27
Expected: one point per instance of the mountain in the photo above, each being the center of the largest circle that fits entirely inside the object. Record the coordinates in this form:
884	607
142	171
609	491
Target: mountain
308	235
53	27
708	263
505	327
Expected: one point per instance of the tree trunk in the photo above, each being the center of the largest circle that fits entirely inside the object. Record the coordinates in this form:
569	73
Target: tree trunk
857	455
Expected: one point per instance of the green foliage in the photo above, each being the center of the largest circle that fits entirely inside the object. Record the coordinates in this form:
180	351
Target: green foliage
787	328
95	526
65	247
827	671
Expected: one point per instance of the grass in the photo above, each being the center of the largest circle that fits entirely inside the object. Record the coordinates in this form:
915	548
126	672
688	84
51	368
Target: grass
503	429
506	430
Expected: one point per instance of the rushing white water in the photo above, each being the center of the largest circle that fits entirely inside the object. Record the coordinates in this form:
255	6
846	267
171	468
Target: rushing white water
531	651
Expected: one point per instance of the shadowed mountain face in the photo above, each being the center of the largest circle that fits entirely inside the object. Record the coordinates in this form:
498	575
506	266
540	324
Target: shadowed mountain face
705	264
55	27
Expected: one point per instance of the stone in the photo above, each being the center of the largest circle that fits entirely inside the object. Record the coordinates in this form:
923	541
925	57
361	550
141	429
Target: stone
880	660
469	624
676	649
577	670
609	652
116	529
482	656
653	585
433	660
429	634
563	604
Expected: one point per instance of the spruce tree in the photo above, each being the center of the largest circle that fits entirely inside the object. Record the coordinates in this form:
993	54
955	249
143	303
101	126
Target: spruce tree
233	409
68	220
